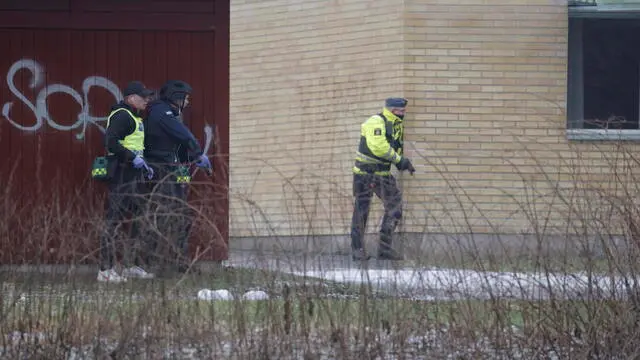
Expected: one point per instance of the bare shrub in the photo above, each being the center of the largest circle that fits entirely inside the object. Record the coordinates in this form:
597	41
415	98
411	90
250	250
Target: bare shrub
567	290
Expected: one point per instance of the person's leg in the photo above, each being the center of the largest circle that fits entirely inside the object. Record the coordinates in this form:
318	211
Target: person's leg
362	193
152	238
128	202
165	201
155	239
139	257
388	191
114	214
135	267
185	218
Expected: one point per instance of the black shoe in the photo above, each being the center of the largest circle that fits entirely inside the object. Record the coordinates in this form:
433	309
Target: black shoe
360	255
390	254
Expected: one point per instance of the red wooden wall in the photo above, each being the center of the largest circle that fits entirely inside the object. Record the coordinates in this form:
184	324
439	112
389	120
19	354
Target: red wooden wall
63	64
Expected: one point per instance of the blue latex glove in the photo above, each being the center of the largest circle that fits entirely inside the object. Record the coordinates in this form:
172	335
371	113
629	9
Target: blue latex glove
139	163
203	162
149	171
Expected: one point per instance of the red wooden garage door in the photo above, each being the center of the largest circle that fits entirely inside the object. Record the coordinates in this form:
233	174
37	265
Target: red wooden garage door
63	65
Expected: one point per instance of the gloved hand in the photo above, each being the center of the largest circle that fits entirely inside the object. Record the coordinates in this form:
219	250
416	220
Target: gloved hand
149	170
405	164
139	163
203	162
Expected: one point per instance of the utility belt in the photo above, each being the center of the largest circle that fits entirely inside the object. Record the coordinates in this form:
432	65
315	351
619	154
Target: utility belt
182	175
372	167
135	152
165	157
179	172
168	161
105	167
176	171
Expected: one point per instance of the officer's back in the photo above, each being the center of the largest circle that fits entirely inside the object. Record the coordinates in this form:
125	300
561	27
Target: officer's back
165	134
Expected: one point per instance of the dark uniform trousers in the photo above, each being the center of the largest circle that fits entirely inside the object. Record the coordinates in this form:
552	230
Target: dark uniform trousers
170	216
124	200
386	189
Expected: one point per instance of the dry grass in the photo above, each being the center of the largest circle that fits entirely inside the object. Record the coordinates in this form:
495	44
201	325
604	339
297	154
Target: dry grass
73	317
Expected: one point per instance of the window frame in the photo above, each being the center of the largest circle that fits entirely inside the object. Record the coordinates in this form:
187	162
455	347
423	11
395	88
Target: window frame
575	81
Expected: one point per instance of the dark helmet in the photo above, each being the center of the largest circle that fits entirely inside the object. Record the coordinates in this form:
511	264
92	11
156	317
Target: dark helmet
175	91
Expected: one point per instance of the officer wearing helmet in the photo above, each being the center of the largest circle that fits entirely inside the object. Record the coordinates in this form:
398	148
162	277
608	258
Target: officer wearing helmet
168	144
381	145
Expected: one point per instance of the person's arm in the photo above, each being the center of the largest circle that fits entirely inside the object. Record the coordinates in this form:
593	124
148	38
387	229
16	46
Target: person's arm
183	155
179	132
120	126
374	131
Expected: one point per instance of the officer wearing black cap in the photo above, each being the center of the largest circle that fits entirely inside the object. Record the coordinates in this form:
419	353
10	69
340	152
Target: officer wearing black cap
124	140
381	145
168	145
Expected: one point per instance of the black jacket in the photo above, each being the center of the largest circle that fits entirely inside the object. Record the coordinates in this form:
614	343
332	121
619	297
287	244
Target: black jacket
120	126
166	138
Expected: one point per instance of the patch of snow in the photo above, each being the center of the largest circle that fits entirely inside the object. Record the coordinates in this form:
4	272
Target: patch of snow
255	295
454	283
221	294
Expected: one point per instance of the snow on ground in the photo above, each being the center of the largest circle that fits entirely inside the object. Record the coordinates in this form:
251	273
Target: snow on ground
425	283
439	283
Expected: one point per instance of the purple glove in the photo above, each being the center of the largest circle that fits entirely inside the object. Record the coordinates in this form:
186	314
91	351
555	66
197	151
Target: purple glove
149	170
139	163
203	162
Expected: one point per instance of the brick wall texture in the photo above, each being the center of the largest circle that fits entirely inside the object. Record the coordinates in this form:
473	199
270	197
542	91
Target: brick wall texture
485	127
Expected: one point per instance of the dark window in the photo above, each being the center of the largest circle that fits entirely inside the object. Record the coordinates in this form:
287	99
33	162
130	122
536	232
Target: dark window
604	74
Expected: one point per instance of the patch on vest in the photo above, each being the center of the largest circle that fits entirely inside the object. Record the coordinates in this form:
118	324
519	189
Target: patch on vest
169	113
377	132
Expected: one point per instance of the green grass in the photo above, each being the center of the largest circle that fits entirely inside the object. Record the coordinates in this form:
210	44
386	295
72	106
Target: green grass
323	313
299	312
56	301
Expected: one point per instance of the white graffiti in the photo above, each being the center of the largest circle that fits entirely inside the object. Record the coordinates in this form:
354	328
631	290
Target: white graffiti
40	108
208	137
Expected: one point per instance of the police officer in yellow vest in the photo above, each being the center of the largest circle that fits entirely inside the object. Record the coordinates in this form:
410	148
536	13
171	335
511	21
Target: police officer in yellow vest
381	145
124	140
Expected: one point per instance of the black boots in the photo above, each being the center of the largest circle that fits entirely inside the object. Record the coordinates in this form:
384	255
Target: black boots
389	254
359	255
385	251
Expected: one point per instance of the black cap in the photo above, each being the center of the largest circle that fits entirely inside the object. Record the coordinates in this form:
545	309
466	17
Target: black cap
395	102
137	88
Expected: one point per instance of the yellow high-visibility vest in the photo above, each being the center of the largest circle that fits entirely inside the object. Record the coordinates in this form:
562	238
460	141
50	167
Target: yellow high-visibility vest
135	140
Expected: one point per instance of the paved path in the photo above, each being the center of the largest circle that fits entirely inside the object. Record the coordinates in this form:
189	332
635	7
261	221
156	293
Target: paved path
437	283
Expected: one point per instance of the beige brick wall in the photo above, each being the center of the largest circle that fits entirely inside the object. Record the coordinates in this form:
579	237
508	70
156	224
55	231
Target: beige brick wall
487	90
304	74
489	83
488	124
